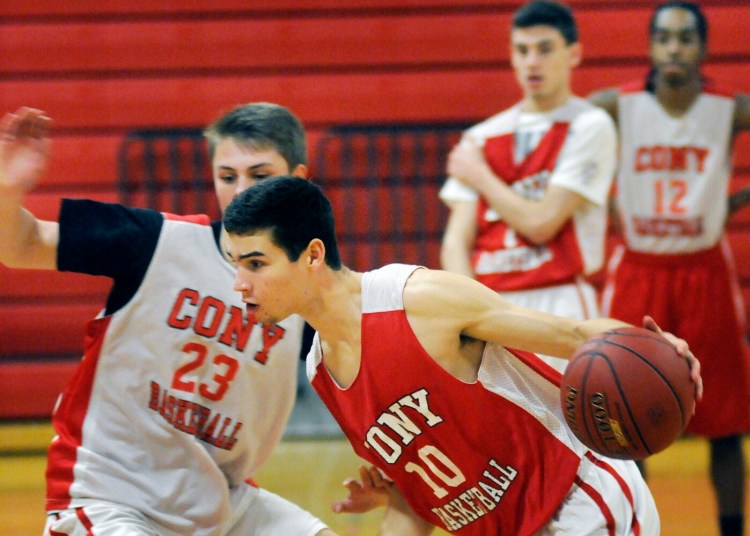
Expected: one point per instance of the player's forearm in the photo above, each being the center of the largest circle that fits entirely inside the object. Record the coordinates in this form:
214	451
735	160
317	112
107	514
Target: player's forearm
456	258
562	337
529	218
593	326
25	242
16	226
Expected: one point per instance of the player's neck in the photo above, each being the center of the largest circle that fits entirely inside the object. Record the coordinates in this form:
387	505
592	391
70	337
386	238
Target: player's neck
336	306
677	99
545	103
336	314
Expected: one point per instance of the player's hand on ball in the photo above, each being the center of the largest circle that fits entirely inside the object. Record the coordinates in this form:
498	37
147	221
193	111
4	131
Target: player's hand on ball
370	493
684	350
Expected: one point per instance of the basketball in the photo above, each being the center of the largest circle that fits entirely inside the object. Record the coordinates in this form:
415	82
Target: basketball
627	393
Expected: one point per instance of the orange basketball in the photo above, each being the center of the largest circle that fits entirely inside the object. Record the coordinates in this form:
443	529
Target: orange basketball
627	393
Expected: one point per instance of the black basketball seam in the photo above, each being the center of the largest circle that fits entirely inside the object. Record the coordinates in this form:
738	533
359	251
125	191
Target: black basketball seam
593	438
624	400
647	362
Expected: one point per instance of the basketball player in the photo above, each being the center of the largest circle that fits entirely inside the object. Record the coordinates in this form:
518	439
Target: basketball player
676	129
416	367
528	187
181	395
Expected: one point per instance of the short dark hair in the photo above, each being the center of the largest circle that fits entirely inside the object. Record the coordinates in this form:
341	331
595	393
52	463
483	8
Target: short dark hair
262	125
548	13
294	210
700	18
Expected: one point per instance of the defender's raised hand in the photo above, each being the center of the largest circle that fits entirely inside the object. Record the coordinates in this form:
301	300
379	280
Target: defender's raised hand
24	149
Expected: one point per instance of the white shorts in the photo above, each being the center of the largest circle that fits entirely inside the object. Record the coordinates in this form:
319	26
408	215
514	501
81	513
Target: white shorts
575	300
609	498
259	513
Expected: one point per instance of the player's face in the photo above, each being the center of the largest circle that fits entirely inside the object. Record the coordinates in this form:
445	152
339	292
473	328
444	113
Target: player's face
269	282
542	62
676	48
237	166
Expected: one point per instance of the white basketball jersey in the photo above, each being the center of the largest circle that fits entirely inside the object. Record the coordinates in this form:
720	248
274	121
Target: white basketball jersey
180	396
674	172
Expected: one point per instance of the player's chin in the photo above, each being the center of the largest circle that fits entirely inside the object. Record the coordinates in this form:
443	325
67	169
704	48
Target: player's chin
674	76
264	316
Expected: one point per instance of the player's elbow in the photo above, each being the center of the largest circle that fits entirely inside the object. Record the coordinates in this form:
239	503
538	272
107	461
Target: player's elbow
541	232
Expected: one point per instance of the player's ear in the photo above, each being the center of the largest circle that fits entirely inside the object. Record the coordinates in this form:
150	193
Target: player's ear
316	253
300	170
576	54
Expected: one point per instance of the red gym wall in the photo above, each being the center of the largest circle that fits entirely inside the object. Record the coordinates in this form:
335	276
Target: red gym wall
103	68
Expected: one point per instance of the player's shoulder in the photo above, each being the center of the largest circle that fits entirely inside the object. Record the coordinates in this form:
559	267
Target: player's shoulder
587	116
499	123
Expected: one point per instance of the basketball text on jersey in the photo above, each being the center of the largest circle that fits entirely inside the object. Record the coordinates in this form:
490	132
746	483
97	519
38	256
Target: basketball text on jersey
205	316
668	226
512	260
396	420
669	195
473	501
211	318
667	158
194	419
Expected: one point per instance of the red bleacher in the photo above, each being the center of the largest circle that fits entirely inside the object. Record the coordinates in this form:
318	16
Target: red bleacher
102	69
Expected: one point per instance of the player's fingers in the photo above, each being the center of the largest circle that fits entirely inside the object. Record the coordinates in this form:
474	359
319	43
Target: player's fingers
651	325
352	485
32	123
695	374
9	126
377	478
39	126
347	505
365	476
339	507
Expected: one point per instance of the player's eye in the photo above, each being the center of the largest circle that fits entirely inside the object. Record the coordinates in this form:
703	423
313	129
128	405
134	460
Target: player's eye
688	38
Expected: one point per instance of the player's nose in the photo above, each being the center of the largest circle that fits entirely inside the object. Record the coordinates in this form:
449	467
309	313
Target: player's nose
243	183
240	282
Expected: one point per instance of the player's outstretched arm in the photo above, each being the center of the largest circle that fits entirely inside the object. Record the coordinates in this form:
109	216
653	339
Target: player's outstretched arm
443	307
25	242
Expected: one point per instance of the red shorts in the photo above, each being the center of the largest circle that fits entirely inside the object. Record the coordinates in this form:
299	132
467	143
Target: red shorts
695	296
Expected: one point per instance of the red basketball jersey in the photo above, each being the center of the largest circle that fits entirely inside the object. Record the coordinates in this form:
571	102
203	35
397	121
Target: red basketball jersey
576	151
489	457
